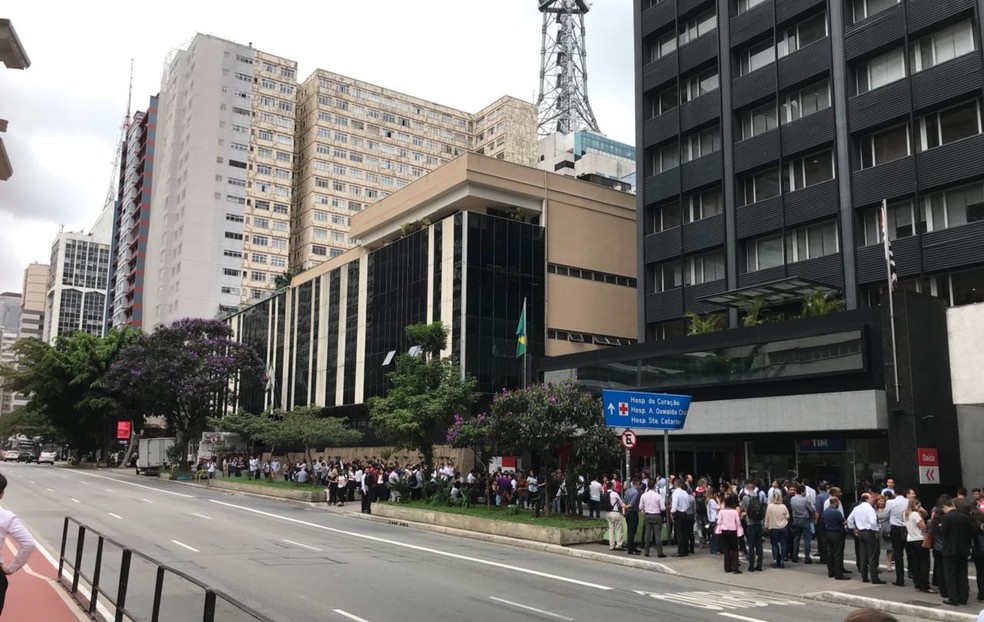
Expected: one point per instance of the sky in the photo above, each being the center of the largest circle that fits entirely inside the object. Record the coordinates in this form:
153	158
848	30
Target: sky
65	112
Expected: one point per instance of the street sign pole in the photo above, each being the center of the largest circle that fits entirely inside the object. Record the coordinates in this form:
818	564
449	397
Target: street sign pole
627	477
666	464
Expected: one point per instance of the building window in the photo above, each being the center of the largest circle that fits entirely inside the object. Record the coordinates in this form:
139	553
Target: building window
663	101
233	236
280	208
802	34
943	45
231	253
261	240
804	102
764	253
662	45
884	146
319	250
234	217
261	223
257	276
861	9
703	268
743	5
666	158
955	207
946	126
759	186
811	242
230	272
879	71
812	169
697	26
278	262
258	258
665	217
700	144
702	205
698	84
666	276
758	121
756	56
903	221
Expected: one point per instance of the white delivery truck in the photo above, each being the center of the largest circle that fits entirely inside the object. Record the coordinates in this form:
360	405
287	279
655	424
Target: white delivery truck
152	454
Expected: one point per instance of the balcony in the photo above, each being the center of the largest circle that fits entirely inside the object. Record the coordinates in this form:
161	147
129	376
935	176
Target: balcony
659	72
925	14
661	186
664	306
808	64
875	33
756	151
954	248
754	87
662	245
656	17
950	80
812	203
703	234
887	181
699	51
955	162
698	112
759	218
751	24
660	129
878	106
808	133
701	172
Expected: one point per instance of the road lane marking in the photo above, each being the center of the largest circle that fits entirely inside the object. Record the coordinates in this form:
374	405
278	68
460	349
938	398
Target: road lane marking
349	615
49	490
74	500
109	490
33	482
201	516
735	616
146	500
415	547
720	601
190	548
304	546
115	515
119	481
533	609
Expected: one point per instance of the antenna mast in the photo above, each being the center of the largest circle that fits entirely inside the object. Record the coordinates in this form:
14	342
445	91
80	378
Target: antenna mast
563	105
112	192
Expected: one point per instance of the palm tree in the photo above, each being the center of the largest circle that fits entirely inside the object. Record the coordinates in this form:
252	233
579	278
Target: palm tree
701	324
820	302
753	309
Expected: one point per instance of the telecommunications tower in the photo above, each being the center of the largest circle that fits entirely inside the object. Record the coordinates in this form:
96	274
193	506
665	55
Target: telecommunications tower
562	105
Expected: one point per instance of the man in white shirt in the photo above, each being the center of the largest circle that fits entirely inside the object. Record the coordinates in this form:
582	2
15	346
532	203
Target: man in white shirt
11	526
864	521
594	498
895	509
652	506
681	508
614	517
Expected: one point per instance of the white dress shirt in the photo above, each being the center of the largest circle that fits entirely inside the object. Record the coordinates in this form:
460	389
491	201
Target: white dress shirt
865	517
678	502
652	502
11	526
895	508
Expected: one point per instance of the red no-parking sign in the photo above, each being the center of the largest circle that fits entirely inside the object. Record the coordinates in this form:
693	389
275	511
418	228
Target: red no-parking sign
629	439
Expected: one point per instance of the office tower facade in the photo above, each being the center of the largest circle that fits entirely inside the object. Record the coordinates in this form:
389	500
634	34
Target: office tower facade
78	279
131	221
358	142
224	153
589	156
770	132
32	301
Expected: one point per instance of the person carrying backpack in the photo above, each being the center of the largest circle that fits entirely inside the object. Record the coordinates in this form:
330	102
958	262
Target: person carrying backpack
752	505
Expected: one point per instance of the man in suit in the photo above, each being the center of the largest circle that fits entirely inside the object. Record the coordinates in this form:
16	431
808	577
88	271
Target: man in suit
957	532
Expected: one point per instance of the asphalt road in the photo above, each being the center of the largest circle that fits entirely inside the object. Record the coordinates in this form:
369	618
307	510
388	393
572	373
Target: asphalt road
295	563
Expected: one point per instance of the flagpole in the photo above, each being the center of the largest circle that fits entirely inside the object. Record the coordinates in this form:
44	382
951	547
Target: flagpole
891	291
527	348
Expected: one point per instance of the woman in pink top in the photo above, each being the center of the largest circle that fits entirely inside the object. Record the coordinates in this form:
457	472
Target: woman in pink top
729	530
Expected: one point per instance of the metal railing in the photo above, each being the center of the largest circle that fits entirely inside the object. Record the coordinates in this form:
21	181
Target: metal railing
213	598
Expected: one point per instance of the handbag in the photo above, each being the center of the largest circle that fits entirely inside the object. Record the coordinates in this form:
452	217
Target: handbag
927	542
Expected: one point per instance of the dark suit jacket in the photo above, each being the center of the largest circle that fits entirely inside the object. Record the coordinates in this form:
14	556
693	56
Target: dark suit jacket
957	531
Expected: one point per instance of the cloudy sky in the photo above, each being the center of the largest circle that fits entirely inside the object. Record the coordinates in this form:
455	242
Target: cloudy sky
65	111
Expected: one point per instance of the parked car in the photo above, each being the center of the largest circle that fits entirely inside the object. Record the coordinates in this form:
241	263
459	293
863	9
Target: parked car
11	455
46	457
26	456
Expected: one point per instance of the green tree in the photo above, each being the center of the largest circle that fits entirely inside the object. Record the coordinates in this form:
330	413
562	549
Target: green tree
67	384
29	423
819	302
186	372
283	279
754	309
701	324
425	393
251	428
305	427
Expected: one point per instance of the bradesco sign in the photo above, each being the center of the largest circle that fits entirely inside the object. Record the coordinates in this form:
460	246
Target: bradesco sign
650	411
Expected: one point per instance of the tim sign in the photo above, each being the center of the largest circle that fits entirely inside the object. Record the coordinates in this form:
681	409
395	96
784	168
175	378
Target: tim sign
928	460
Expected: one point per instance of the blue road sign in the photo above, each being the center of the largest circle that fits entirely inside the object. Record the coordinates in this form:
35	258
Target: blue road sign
647	411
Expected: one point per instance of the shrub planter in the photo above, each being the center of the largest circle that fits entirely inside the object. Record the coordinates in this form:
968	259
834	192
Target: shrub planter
523	531
314	495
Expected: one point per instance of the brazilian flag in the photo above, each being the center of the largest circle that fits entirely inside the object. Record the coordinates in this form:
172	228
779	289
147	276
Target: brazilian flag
521	332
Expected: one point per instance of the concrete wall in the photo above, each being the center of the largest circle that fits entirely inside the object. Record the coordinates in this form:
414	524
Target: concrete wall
970	424
965	328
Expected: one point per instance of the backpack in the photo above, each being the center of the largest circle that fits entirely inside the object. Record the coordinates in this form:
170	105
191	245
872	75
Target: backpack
606	501
701	503
755	511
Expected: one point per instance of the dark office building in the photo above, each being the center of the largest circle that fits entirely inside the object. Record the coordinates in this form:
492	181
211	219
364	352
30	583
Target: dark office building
770	131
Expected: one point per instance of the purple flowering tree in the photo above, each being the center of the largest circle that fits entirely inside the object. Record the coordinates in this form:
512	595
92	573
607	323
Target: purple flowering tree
185	373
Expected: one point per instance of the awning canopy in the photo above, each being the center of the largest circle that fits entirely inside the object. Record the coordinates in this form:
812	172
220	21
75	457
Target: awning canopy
789	289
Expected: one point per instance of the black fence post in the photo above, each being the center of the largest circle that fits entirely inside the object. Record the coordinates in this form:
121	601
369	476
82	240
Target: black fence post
94	595
61	555
155	614
78	559
124	579
209	615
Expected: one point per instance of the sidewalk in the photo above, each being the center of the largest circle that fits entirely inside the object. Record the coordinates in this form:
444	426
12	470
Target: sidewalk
34	594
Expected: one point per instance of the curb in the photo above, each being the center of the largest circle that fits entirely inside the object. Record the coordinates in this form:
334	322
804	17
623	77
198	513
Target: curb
916	611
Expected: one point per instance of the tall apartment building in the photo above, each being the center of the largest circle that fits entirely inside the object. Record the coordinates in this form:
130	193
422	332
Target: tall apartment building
358	142
771	131
32	301
8	399
224	157
131	220
78	279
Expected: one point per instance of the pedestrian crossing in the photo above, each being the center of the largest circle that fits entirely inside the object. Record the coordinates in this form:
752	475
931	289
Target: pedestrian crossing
724	600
